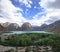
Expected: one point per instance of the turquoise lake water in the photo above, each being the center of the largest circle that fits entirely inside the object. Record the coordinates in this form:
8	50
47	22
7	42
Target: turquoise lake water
22	32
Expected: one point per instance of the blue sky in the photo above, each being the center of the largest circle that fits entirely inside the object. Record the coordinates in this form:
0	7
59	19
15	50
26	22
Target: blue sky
29	12
36	12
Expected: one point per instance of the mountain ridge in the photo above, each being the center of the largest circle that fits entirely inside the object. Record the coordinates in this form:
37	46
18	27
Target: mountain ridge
54	27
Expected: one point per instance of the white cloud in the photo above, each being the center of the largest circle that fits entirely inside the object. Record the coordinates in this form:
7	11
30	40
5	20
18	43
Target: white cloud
52	13
53	4
9	14
45	3
38	20
8	10
53	10
27	3
3	19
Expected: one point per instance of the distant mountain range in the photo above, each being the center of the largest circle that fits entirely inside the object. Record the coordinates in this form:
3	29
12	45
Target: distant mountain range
26	27
10	26
54	27
1	28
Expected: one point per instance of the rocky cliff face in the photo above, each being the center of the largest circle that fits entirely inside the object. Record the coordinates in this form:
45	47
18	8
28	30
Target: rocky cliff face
10	26
55	27
26	26
2	28
43	27
13	27
6	24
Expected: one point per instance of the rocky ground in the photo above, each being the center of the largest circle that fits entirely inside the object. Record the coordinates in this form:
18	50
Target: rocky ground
23	49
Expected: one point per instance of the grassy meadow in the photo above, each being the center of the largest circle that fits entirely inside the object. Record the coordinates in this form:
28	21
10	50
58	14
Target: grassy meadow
33	39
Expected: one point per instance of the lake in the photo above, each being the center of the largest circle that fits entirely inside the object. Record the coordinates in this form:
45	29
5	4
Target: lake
22	32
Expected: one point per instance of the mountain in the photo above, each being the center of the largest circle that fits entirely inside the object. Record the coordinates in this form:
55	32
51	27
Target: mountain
6	24
54	27
36	28
1	28
26	27
11	26
43	27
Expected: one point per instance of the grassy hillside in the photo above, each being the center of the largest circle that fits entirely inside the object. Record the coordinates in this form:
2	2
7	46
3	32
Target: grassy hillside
35	39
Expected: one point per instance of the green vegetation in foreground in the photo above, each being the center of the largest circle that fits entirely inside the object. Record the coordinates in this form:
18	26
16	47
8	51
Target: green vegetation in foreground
37	39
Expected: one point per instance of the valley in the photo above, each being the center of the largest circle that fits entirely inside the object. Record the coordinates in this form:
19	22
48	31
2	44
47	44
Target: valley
28	38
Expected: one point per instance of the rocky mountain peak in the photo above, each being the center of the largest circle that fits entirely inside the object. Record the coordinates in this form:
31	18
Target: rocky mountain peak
26	26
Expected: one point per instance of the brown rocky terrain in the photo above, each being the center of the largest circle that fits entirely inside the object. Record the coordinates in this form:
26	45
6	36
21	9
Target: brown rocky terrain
26	26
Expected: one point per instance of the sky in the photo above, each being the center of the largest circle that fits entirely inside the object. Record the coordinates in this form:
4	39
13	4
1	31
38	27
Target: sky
36	12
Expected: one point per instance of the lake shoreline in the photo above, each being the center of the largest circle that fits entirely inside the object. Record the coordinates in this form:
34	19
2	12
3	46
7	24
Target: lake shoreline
23	32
